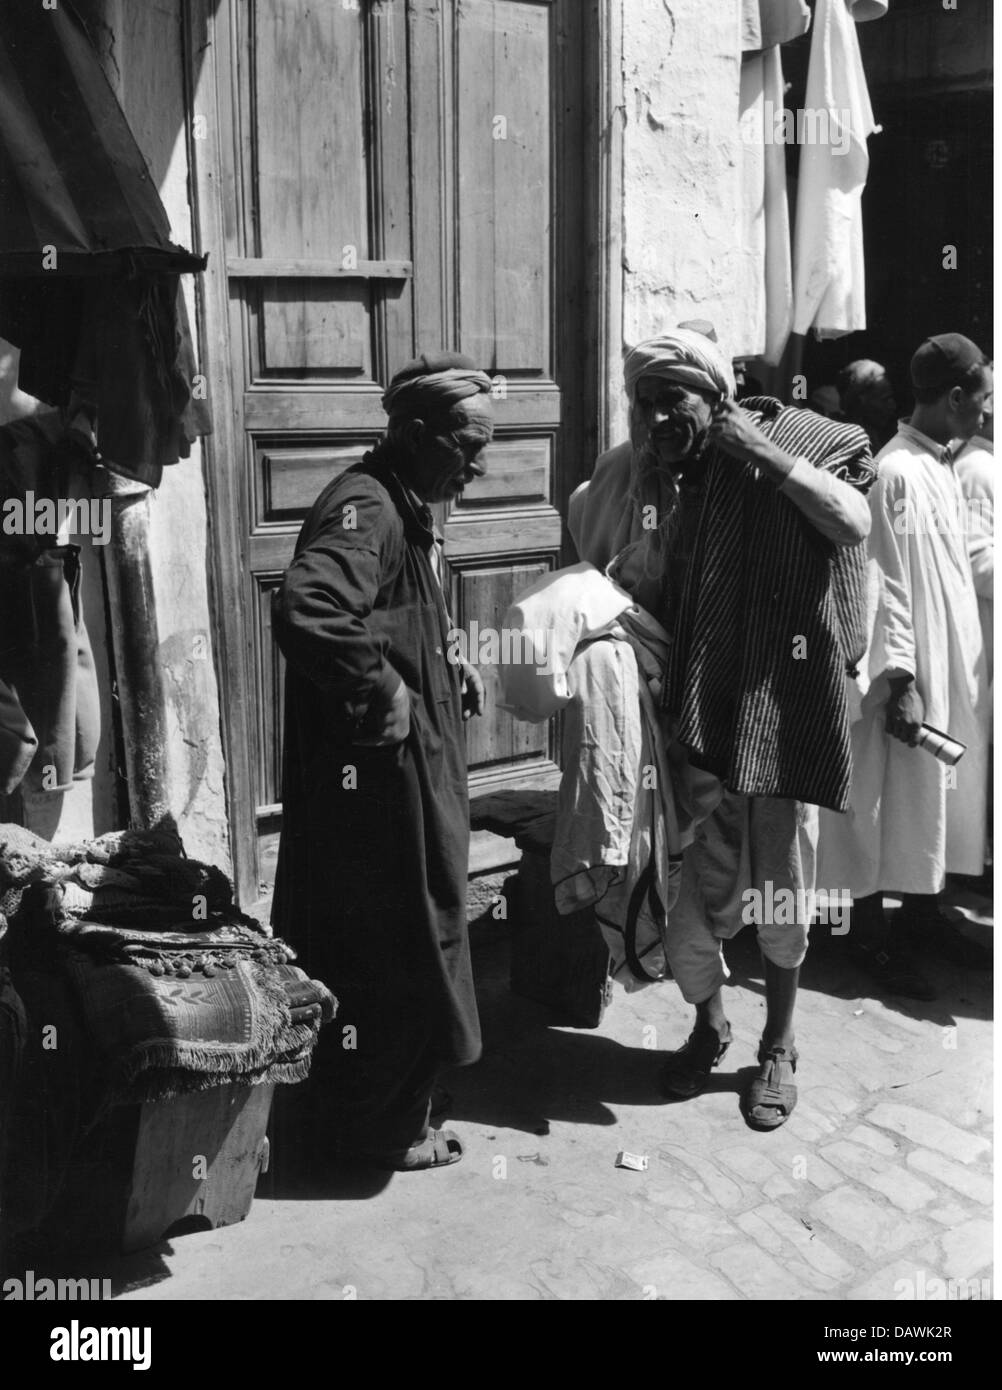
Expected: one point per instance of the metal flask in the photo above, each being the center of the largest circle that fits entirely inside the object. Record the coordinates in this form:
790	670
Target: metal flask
948	750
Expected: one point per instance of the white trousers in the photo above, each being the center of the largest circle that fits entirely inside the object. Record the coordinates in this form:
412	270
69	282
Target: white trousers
760	843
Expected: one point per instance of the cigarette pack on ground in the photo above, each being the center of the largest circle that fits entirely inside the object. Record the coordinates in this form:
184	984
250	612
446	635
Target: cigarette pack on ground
638	1162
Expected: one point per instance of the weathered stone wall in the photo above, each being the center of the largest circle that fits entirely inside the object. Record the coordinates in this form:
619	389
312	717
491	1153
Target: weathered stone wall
681	80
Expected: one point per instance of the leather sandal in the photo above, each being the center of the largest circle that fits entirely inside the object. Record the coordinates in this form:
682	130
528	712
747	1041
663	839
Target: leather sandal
439	1149
686	1072
768	1102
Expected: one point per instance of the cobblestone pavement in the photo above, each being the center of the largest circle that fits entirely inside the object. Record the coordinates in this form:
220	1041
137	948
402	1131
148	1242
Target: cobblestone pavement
878	1186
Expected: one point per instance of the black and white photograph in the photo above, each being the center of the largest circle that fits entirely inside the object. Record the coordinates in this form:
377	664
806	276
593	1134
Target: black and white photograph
496	667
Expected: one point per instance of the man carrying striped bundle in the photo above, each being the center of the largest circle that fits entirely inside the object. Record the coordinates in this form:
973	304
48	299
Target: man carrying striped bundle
742	532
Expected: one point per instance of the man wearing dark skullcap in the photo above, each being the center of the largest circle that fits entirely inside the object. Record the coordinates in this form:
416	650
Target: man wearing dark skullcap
913	819
372	870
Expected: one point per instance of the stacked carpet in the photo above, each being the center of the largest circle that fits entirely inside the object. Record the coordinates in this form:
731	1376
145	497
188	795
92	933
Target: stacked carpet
173	990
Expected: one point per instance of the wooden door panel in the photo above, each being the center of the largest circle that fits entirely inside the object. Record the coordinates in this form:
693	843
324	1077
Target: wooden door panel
285	410
290	473
314	328
509	511
390	176
310	180
432	168
500	745
504	87
311	157
507	90
518	472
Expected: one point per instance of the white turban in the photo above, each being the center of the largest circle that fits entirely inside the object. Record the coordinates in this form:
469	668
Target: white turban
683	356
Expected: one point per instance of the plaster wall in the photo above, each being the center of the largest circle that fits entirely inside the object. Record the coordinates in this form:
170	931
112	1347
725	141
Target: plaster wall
681	165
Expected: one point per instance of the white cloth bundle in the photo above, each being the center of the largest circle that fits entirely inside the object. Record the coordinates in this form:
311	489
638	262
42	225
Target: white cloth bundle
558	612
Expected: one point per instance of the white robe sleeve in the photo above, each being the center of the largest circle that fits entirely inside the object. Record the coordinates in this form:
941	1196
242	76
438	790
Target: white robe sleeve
893	513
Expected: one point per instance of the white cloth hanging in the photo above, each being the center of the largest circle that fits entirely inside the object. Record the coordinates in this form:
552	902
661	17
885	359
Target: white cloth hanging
828	272
764	289
765	23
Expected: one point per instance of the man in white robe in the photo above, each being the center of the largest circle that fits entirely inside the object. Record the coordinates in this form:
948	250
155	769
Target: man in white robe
912	819
976	472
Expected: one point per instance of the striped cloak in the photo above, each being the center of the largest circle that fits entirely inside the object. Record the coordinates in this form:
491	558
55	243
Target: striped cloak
772	617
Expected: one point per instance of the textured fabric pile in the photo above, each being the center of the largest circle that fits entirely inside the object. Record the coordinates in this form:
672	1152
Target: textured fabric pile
128	877
175	990
156	1037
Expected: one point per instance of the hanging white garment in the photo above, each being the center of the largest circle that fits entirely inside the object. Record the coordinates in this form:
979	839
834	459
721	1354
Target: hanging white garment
624	812
765	23
911	819
749	282
778	251
828	271
764	287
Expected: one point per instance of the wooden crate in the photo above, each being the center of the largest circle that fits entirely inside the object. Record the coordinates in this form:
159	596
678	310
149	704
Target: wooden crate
147	1167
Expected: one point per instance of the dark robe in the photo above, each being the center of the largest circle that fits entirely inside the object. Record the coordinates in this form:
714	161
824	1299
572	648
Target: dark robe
371	883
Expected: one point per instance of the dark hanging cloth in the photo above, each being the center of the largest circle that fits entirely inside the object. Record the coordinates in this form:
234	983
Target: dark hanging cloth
46	663
372	870
765	720
89	287
121	344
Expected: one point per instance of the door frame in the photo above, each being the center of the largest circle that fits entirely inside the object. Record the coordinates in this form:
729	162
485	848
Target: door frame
227	560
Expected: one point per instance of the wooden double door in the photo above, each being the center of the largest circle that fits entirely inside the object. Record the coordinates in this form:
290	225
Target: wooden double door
377	178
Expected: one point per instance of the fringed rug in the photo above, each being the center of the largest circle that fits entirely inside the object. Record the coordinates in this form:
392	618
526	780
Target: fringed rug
176	990
155	1036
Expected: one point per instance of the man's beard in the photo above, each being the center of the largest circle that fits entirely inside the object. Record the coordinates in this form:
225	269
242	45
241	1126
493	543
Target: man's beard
687	437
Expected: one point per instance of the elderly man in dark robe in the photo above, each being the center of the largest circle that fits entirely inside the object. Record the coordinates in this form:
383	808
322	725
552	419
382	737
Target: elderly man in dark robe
372	870
739	527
